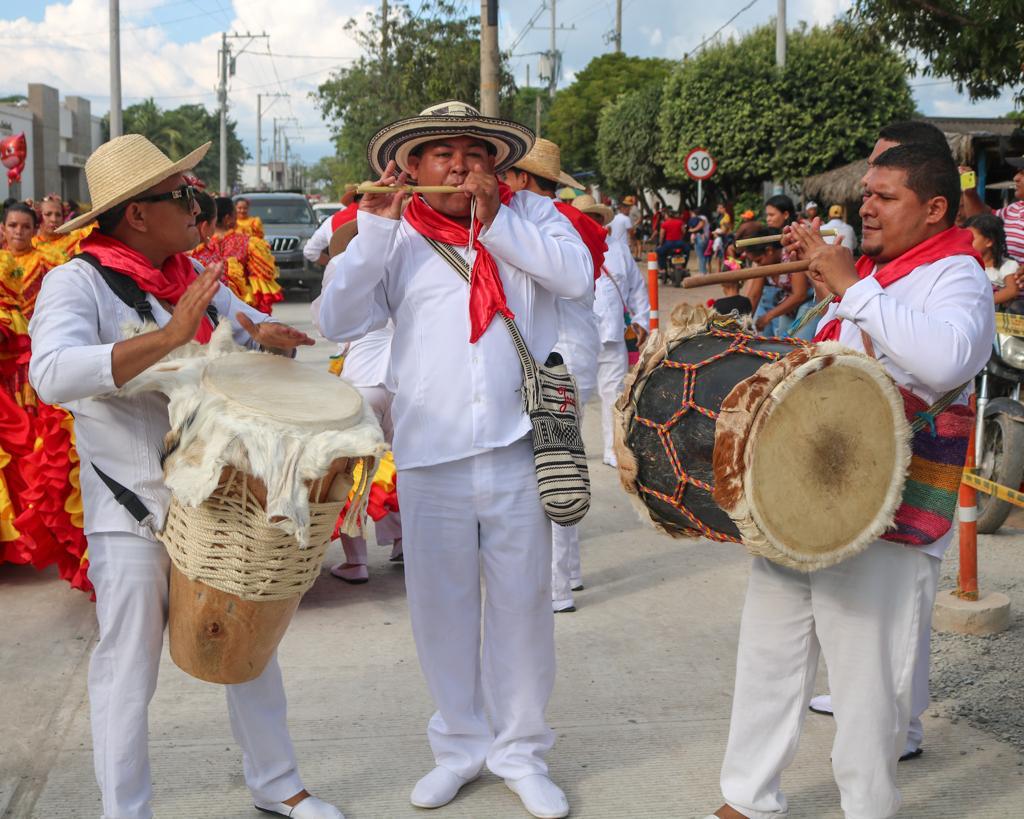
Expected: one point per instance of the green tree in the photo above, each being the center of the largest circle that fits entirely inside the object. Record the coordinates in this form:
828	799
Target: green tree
627	142
329	176
521	107
573	119
979	44
418	59
181	130
839	87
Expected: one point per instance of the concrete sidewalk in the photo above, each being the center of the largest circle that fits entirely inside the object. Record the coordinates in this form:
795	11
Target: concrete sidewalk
641	706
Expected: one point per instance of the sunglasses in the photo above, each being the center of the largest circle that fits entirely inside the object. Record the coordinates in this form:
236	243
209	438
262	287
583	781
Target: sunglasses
184	196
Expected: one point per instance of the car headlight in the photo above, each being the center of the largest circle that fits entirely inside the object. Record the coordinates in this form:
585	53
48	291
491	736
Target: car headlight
1011	350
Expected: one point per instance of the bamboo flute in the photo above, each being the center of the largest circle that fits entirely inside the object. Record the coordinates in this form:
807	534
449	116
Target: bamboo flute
746	273
369	187
765	240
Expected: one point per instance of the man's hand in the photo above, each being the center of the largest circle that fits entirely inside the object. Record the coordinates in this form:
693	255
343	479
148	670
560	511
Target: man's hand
762	322
832	265
484	188
191	307
274	336
388	205
792	246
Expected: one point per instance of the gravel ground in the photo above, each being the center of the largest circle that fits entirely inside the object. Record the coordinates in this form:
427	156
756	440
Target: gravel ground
979	679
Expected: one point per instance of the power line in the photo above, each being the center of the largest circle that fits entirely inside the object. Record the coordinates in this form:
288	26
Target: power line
718	31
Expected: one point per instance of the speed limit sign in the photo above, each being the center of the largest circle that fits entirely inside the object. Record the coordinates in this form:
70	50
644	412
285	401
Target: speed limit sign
700	165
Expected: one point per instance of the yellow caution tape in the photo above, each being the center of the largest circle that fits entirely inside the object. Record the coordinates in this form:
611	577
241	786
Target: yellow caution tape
1003	493
1010	324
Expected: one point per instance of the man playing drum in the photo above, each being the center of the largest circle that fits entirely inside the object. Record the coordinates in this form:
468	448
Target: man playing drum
147	222
920	304
467	483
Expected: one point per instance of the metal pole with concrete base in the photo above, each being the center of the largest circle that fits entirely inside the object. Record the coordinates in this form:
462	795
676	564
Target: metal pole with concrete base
964	610
652	287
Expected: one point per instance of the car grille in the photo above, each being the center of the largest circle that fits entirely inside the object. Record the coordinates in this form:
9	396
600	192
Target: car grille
280	244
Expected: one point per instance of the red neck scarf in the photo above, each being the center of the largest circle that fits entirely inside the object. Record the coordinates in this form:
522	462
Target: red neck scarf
167	283
952	241
344	215
593	235
486	294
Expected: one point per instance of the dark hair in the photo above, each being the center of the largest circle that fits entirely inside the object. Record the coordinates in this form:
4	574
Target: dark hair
991	227
207	207
914	132
545	184
763	233
930	171
21	207
783	203
237	200
108	221
225	208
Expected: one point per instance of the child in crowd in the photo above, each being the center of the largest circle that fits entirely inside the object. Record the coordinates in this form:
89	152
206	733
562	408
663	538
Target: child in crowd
990	242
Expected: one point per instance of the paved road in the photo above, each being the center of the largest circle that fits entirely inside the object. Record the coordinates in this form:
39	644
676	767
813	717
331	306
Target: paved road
641	705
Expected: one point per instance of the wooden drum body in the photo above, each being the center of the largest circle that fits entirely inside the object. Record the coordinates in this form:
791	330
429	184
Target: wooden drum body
798	451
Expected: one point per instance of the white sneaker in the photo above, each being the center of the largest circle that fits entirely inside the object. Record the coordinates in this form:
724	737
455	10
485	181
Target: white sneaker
611	461
540	796
308	808
437	788
822	704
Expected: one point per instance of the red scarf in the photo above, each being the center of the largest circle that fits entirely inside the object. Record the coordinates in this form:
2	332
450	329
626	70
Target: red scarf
168	283
952	241
486	294
592	234
344	215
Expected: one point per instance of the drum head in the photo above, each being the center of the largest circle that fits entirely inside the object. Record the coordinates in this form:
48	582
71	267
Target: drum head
285	390
825	459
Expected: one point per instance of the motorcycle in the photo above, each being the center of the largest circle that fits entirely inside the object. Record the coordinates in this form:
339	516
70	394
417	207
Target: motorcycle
677	266
999	433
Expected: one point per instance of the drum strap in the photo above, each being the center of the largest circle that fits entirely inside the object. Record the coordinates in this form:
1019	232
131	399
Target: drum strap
125	288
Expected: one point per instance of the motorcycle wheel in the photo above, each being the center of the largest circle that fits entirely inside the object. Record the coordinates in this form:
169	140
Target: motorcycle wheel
1002	461
677	275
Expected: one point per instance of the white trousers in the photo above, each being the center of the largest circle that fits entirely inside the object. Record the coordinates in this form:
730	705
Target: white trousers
130	574
612	365
482	515
565	551
389	528
864	616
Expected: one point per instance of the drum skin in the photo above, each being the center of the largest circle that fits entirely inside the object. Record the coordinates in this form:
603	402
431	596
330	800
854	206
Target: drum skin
682	396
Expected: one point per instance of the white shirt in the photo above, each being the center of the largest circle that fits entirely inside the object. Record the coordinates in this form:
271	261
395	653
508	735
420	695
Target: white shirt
619	227
932	331
578	340
76	323
454	399
997	275
843	231
319	241
620	287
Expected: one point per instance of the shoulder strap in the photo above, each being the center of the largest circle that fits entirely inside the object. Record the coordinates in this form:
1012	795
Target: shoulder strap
618	289
125	288
461	266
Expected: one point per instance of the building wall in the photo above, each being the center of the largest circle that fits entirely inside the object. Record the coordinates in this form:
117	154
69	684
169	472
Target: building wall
44	102
16	119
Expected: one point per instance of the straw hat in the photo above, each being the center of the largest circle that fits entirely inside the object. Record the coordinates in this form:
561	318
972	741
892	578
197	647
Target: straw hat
545	160
341	237
588	204
125	167
835	212
511	140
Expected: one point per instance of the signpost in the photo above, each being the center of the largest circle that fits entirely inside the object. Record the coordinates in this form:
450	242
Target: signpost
700	165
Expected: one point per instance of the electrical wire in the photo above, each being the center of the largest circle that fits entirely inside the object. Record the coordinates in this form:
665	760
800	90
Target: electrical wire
719	30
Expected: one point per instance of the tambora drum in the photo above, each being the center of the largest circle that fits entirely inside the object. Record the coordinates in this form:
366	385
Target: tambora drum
798	451
259	461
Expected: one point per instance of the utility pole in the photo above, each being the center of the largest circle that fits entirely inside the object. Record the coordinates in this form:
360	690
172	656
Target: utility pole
551	59
553	80
227	67
275	183
489	58
618	26
259	134
780	36
116	125
384	43
536	115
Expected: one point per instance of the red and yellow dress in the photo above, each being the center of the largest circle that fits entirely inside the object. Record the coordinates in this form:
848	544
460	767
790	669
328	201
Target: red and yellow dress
40	495
248	259
66	244
251	226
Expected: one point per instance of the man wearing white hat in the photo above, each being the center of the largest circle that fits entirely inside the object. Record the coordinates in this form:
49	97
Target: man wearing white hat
467	483
540	172
146	213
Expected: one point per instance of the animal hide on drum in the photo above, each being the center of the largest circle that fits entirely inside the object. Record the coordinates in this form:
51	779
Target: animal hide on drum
279	423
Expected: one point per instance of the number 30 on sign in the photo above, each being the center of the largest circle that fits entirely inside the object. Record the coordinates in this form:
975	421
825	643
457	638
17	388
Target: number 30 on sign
700	165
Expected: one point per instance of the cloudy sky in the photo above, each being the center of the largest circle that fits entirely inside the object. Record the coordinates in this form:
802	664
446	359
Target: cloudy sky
169	49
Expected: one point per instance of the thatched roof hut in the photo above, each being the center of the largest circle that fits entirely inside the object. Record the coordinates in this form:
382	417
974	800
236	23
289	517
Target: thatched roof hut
979	142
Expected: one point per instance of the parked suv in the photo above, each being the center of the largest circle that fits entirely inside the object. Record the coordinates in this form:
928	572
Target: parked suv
288	222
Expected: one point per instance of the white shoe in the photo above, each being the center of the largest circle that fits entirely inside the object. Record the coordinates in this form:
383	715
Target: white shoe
308	808
437	788
822	704
611	461
540	796
354	573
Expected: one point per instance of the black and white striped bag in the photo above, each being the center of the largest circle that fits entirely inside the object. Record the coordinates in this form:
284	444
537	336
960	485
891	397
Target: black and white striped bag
551	401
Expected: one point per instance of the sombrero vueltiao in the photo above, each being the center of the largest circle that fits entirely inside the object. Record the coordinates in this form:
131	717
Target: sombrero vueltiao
545	160
396	141
125	167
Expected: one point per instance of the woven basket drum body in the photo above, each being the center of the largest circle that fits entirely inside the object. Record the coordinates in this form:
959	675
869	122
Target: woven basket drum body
799	452
260	464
